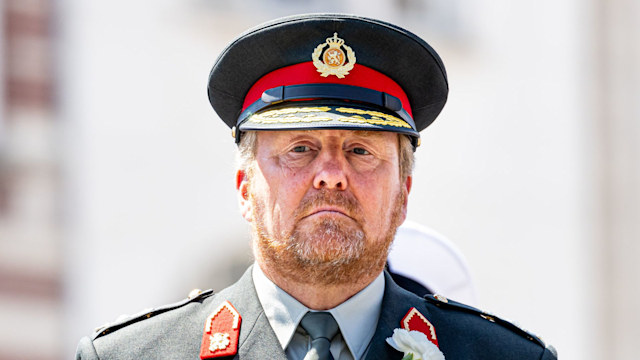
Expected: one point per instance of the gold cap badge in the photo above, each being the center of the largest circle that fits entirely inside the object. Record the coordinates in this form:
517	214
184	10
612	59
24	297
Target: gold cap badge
333	57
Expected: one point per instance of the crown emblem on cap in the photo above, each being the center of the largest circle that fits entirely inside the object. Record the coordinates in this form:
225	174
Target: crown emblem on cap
333	57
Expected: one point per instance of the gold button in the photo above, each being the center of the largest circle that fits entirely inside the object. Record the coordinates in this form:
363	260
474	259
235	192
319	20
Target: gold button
233	132
488	317
193	293
441	298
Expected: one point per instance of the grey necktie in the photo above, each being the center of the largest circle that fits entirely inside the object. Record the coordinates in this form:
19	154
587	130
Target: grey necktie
321	327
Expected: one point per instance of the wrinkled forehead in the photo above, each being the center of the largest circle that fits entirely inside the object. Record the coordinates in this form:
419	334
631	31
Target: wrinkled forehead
285	137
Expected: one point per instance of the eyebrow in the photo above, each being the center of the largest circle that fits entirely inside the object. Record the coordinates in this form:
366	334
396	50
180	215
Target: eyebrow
368	133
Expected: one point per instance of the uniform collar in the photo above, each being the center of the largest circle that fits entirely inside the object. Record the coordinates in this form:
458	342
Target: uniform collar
357	317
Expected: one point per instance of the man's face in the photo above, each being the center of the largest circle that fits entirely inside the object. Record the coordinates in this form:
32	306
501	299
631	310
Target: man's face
325	204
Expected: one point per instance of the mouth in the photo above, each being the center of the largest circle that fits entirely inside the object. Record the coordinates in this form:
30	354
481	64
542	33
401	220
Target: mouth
328	210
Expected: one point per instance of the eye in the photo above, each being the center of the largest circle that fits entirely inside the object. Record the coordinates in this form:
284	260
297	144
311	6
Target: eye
301	149
360	151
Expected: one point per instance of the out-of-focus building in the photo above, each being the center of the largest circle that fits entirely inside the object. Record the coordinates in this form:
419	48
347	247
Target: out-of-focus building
116	177
30	244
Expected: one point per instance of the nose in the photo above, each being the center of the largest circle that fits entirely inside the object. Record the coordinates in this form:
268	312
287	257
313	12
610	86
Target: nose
331	172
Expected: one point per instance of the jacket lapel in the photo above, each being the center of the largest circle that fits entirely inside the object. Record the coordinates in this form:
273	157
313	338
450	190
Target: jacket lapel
257	339
395	305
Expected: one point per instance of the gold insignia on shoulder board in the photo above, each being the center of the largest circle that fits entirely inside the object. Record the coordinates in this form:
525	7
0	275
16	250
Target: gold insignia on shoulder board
441	298
333	57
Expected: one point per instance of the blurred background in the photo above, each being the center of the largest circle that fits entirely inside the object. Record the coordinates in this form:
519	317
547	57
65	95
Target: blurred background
116	176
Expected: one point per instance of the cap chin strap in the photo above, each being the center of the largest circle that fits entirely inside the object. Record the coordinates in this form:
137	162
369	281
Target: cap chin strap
325	91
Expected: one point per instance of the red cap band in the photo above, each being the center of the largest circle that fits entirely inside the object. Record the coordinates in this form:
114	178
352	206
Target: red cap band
306	73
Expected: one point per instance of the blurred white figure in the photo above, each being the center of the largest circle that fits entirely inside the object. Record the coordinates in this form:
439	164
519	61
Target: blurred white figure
433	261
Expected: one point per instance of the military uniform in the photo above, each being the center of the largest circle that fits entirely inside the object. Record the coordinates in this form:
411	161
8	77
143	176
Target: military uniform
176	331
318	71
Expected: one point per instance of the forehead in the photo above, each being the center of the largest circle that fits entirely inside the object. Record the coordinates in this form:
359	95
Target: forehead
378	138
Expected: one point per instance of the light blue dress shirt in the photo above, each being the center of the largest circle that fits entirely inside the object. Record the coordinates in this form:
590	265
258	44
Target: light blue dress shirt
357	318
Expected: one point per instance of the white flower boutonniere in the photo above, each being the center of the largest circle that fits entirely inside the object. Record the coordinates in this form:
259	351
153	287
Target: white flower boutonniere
415	345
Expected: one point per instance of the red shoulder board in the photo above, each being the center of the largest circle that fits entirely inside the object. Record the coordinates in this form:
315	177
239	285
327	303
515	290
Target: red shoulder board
415	321
221	332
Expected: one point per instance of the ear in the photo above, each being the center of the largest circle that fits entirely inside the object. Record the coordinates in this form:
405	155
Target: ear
242	187
406	189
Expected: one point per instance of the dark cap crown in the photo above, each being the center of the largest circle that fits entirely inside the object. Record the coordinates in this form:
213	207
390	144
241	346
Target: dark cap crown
244	80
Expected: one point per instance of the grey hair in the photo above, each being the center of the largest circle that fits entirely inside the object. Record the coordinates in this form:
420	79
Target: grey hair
247	149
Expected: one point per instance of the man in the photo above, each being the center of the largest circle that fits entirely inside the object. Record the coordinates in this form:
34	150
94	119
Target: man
326	110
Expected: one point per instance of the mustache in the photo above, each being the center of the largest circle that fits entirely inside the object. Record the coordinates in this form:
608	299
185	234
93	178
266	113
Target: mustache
323	197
